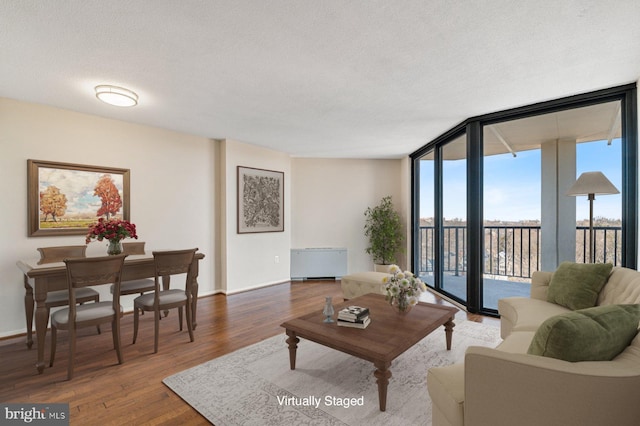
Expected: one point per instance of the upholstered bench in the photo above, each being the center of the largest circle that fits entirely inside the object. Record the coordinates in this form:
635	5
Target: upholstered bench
360	283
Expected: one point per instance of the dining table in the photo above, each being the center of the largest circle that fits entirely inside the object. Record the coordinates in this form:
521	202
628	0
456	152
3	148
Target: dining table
39	279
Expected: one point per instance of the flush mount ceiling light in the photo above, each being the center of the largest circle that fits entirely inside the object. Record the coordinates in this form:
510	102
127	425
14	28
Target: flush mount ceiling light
118	96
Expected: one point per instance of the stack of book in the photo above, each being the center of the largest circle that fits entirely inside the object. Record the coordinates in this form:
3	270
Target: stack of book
354	316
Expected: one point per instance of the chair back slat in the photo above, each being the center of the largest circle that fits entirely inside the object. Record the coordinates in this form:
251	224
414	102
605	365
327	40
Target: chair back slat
94	271
60	253
173	262
136	247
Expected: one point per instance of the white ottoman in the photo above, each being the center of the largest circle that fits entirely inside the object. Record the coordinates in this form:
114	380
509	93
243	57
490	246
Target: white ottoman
360	283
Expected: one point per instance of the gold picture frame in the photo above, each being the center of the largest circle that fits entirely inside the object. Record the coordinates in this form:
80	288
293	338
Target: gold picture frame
65	198
260	200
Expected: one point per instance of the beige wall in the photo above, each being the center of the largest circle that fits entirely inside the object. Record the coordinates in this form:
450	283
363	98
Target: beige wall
329	197
172	177
183	194
250	258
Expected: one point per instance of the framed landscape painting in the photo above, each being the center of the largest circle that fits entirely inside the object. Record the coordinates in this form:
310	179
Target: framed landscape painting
64	199
260	200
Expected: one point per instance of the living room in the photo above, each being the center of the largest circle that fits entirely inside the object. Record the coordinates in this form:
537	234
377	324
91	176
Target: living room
184	181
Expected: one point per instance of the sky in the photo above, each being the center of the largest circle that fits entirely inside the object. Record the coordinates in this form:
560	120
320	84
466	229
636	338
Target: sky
512	185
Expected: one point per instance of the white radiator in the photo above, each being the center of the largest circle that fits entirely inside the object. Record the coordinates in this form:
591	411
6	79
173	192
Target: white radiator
318	263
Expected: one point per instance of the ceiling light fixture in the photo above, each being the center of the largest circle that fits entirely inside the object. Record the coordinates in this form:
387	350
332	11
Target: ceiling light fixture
118	96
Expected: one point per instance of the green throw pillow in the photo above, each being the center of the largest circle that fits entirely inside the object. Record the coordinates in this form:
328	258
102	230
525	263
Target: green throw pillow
577	285
593	334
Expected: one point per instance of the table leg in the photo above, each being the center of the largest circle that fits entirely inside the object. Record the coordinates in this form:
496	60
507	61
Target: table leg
448	330
194	291
28	310
383	375
293	346
194	302
42	319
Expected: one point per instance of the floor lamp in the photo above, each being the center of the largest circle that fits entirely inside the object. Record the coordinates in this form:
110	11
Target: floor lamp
590	184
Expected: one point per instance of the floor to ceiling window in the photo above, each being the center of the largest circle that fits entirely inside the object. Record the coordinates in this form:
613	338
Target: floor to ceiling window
453	226
490	203
511	194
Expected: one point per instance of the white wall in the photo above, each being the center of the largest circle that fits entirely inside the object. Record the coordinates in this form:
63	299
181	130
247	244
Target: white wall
250	258
329	198
172	187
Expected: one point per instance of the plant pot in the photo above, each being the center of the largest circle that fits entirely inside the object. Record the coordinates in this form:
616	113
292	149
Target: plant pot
381	268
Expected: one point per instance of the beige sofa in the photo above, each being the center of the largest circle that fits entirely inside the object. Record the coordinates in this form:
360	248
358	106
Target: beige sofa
506	386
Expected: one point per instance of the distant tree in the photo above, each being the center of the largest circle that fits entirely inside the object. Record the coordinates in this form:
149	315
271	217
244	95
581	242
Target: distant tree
111	202
53	202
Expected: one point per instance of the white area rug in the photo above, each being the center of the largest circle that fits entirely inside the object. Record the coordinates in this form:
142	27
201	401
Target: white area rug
254	385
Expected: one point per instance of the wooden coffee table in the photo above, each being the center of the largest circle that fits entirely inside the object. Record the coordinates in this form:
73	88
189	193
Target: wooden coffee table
388	335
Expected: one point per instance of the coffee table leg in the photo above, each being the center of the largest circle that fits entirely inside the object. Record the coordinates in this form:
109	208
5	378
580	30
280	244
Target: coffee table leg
448	330
293	345
383	375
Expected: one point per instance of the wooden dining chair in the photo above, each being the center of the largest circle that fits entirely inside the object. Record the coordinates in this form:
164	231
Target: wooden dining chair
140	286
167	263
61	297
83	273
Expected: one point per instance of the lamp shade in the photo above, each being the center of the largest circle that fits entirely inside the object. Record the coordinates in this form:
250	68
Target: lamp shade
592	183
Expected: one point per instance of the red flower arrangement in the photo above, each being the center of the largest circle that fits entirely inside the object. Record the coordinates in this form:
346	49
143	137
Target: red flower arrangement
113	230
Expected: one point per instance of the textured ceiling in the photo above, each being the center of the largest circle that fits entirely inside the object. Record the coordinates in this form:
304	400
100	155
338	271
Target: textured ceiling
315	78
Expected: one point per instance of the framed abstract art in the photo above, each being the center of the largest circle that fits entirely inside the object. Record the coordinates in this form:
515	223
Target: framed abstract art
260	200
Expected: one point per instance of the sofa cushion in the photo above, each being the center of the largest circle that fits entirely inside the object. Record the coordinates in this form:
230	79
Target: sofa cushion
517	342
577	285
622	288
525	314
446	389
593	334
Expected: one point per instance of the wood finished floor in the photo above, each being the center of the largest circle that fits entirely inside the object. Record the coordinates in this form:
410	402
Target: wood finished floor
103	392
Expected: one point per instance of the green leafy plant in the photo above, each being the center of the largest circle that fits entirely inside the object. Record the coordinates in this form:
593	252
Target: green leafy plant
384	229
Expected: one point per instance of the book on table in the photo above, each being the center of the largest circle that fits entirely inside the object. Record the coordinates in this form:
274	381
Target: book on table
353	313
361	323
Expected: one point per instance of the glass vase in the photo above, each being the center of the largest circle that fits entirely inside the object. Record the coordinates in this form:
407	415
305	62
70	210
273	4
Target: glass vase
401	304
115	247
328	310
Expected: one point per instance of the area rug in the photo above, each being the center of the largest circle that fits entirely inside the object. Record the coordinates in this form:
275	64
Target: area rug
254	385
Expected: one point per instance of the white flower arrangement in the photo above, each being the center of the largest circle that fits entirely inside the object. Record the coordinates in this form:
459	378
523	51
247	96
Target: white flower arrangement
403	289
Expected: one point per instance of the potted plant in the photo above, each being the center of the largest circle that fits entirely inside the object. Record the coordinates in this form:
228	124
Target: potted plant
384	229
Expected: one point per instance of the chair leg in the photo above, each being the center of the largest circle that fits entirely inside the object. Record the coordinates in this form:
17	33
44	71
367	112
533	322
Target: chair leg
189	321
54	340
115	328
97	300
72	350
180	317
156	319
135	323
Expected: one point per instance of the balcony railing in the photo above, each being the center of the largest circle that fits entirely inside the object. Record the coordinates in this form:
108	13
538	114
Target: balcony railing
512	251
